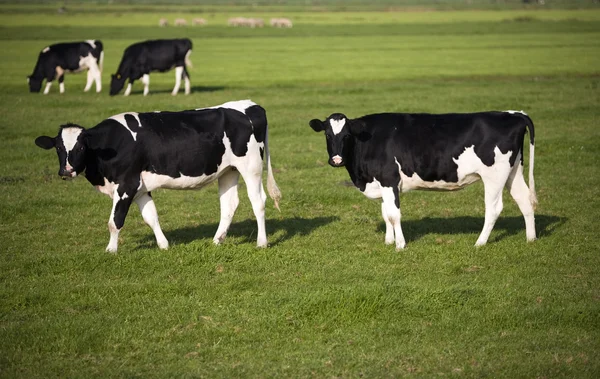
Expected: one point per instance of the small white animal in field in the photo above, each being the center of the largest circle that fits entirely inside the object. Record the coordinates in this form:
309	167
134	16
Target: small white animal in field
180	22
198	21
163	22
281	23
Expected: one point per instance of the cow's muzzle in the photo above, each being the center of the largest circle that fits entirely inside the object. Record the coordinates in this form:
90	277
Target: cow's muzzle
67	174
336	161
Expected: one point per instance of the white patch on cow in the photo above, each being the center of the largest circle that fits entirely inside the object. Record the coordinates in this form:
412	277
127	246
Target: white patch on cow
92	43
61	87
125	196
240	105
86	62
513	112
152	181
121	119
47	89
336	159
373	190
337	125
127	90
46	49
109	188
69	137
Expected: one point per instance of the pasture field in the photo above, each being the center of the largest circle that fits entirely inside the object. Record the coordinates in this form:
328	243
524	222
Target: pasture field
327	298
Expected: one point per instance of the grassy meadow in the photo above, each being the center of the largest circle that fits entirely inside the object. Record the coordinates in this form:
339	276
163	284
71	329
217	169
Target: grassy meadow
327	298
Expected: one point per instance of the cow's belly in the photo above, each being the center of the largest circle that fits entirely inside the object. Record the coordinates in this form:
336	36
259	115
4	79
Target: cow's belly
414	182
152	181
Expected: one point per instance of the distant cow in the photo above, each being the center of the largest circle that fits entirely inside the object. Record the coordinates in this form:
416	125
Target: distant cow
198	21
390	153
180	22
163	22
57	59
161	55
131	154
281	22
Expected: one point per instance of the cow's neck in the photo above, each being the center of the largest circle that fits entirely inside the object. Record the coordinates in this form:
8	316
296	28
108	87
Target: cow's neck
353	164
93	169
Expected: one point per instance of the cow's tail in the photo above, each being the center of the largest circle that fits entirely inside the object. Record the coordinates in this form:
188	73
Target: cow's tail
101	61
532	195
188	62
272	188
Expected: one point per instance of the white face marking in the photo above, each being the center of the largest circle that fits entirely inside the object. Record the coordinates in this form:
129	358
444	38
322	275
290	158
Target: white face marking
46	49
240	105
121	119
69	137
337	125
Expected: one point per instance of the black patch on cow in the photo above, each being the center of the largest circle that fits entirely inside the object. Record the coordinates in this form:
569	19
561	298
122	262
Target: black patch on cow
262	153
238	129
132	123
258	117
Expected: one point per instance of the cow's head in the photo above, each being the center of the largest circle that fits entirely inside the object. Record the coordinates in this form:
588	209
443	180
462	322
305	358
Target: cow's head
340	133
117	81
35	85
70	144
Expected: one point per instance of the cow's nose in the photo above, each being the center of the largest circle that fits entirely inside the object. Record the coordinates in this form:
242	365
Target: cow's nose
337	160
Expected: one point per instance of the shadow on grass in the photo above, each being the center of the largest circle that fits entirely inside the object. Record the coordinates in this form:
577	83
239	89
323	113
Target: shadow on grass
416	229
246	230
195	89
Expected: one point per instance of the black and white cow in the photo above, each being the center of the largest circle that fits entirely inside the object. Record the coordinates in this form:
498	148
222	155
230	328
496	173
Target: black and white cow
389	153
161	55
57	59
131	154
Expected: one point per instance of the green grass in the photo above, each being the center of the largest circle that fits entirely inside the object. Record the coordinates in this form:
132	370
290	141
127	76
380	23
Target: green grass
327	298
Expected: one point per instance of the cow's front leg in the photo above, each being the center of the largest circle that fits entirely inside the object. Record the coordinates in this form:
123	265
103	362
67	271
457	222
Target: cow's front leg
391	209
150	216
389	227
146	82
47	89
121	203
128	89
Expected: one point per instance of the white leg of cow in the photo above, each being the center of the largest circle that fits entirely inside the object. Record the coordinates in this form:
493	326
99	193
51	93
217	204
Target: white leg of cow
61	87
89	81
47	89
150	216
178	72
520	192
128	90
392	212
187	83
113	243
389	228
258	197
146	81
493	206
228	197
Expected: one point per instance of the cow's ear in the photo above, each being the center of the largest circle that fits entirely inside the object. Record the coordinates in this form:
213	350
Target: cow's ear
45	142
317	125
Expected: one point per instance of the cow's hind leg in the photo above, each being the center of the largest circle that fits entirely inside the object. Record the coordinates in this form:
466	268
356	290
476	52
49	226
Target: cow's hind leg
150	216
146	82
178	74
121	203
253	178
186	80
494	179
390	210
228	197
89	80
520	192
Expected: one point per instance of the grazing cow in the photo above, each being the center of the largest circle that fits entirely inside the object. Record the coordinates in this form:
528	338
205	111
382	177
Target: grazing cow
161	55
180	22
281	22
131	154
57	59
163	22
389	153
198	21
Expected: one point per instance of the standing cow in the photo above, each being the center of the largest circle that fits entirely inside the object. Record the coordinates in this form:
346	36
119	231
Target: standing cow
389	153
131	154
161	55
59	58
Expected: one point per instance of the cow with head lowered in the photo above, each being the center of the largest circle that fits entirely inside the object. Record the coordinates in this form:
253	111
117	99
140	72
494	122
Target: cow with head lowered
54	60
129	155
389	153
160	55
